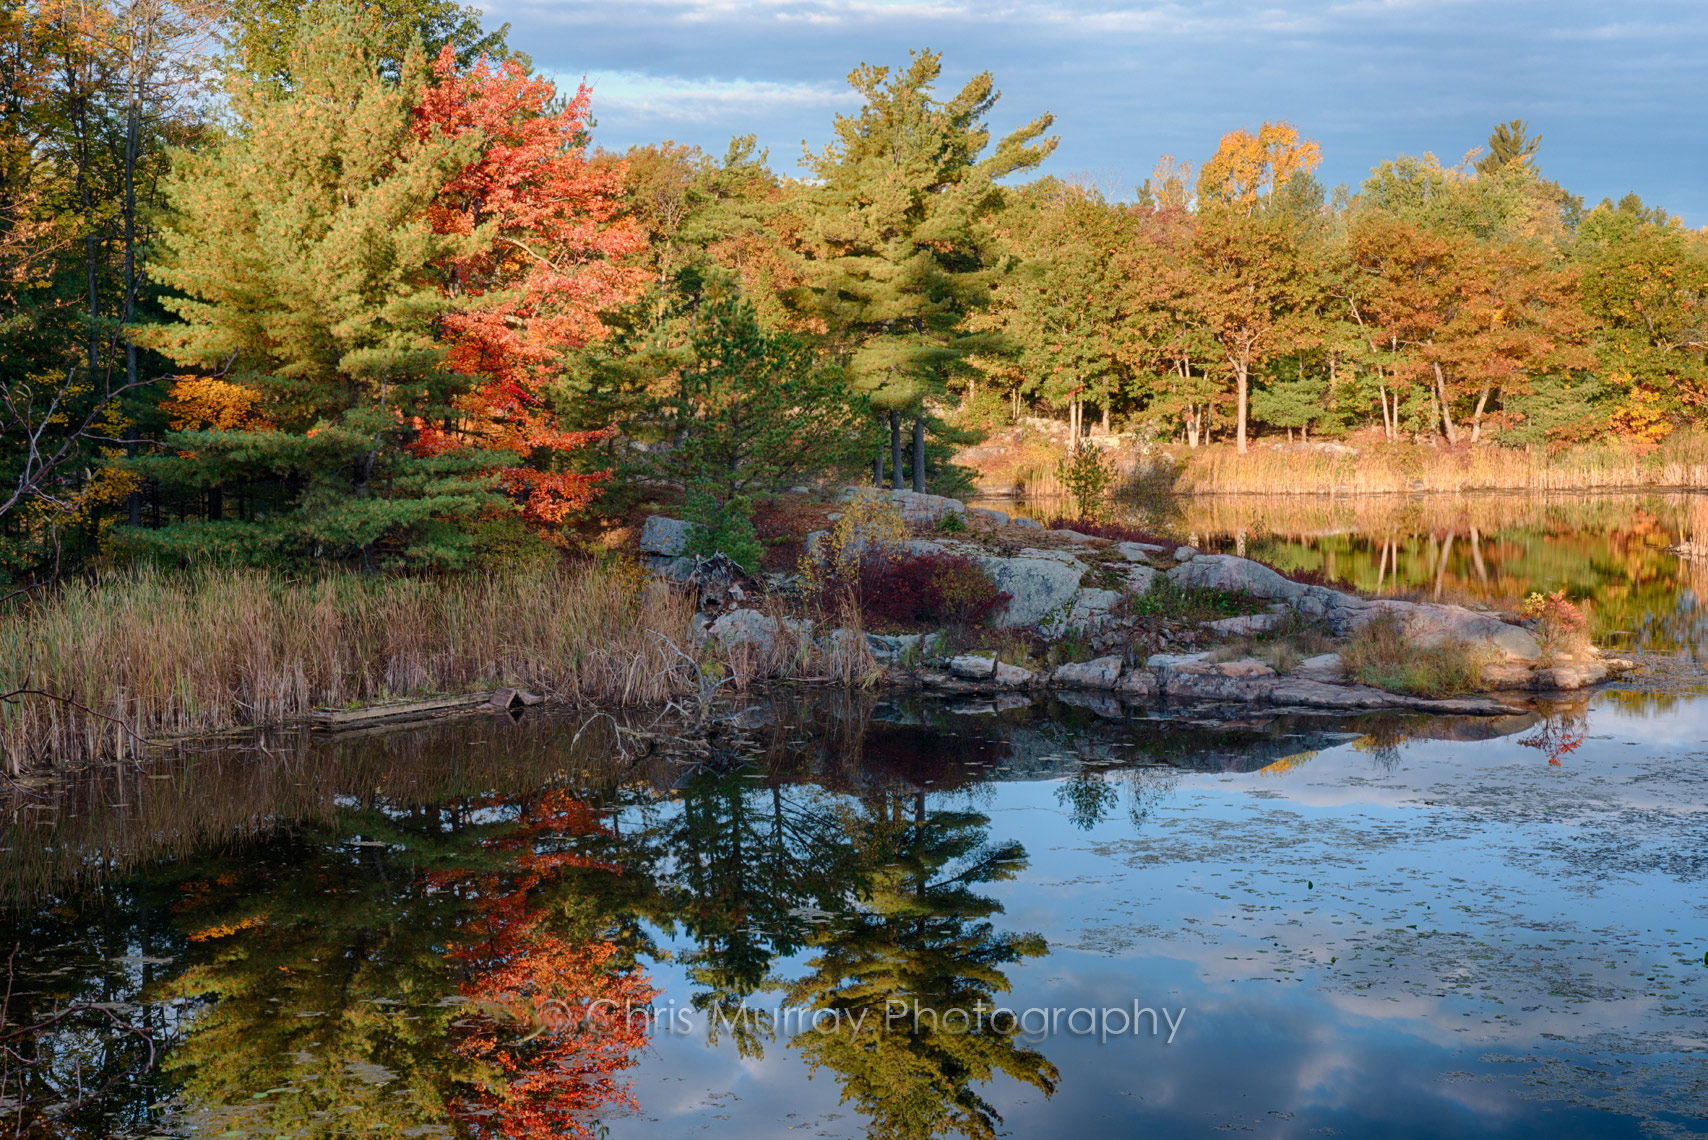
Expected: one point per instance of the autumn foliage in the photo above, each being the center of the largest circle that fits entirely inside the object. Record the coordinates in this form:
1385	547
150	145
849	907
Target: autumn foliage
550	262
554	1060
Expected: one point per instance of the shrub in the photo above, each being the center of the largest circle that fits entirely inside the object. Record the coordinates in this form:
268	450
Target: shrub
725	527
869	525
1559	624
1380	654
1087	474
942	589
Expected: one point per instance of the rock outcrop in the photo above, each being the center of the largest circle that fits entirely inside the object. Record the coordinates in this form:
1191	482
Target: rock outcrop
1057	582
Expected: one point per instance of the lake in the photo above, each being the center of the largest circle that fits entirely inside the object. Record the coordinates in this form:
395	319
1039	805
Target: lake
864	916
1609	551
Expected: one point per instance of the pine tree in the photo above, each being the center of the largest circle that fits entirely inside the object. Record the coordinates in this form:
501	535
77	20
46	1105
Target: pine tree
303	257
264	33
1510	144
900	243
749	411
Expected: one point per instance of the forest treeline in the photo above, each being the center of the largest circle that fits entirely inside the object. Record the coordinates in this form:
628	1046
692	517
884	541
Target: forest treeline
355	285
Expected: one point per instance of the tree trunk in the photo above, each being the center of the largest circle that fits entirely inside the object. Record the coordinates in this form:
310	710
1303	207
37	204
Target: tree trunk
1240	412
919	455
133	140
1477	416
895	449
878	468
1446	411
1105	417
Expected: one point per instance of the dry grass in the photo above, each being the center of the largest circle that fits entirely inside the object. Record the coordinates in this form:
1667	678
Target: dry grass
1680	461
1379	653
1282	652
187	654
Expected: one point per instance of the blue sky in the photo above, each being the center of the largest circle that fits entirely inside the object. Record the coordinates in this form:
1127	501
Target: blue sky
1619	92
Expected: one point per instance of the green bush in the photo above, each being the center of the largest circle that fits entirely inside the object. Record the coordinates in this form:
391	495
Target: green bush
723	527
1088	474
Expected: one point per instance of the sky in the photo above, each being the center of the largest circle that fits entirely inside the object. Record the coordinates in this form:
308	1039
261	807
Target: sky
1618	91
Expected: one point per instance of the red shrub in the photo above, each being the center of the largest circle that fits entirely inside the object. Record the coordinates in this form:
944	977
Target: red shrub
945	589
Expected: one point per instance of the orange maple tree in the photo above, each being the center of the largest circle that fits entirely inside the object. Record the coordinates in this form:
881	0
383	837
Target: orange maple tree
537	287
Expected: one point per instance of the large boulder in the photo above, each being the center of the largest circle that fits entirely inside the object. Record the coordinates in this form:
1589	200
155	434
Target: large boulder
1140	684
665	536
744	627
1235	576
1191	686
1089	612
1038	587
1429	624
1322	667
1138	551
1101	673
1245	625
889	647
973	666
914	505
1140	579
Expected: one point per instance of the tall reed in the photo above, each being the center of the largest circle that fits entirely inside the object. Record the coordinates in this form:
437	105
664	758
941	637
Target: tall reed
160	654
1680	461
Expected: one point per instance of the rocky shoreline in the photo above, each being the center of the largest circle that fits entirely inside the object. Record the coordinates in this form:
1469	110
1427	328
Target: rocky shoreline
1064	583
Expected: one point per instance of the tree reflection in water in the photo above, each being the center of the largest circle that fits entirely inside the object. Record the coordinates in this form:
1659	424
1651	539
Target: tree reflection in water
410	979
409	954
912	972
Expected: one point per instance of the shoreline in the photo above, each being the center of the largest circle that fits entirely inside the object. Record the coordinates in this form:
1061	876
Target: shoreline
1021	459
147	656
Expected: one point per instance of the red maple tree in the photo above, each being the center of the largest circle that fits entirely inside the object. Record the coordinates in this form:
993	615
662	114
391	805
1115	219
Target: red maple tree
553	262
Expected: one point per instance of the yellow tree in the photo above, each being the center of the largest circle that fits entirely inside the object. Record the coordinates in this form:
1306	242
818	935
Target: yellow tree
1248	168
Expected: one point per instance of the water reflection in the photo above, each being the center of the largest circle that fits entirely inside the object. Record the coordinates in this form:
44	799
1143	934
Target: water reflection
1612	551
912	973
441	933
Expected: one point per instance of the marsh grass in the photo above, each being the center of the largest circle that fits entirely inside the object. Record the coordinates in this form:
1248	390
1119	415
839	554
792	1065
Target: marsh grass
1379	653
1681	460
169	655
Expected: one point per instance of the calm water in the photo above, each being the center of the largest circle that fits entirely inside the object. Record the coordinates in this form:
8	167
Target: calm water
1611	551
884	918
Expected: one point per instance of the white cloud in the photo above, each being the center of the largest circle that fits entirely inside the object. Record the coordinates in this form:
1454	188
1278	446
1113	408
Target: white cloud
677	99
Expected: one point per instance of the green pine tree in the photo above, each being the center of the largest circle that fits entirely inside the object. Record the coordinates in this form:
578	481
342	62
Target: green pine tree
1509	144
264	33
303	265
749	411
901	246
